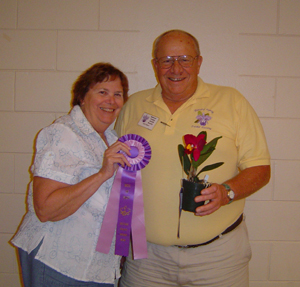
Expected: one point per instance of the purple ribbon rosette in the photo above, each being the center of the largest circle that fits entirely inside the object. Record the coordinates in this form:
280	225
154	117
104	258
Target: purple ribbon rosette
125	208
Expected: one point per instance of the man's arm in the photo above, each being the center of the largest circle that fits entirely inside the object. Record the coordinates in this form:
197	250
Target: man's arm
244	184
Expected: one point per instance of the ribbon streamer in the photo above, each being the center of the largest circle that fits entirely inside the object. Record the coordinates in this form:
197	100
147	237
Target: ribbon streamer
125	208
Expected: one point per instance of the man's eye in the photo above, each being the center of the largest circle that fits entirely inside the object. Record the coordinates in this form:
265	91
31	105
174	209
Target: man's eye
184	60
167	61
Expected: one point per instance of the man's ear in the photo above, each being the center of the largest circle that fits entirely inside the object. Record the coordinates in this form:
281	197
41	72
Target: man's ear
155	66
200	60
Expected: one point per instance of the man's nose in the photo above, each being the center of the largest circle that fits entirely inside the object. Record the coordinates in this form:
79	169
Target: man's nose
176	67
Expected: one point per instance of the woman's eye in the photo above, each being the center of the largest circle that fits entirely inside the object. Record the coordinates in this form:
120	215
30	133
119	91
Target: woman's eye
118	95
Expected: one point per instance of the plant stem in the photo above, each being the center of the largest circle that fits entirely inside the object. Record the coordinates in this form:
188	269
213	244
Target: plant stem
192	173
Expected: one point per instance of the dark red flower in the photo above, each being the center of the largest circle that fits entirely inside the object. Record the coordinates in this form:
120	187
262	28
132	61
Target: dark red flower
194	145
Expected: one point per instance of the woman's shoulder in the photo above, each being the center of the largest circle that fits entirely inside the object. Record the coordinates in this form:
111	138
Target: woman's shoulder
60	133
65	124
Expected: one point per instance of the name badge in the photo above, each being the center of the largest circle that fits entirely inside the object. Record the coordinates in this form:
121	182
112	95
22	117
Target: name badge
148	121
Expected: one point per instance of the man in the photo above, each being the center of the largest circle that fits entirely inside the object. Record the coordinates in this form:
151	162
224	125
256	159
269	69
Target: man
213	248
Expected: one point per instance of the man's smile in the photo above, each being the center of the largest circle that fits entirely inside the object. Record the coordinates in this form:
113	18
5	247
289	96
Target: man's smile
176	79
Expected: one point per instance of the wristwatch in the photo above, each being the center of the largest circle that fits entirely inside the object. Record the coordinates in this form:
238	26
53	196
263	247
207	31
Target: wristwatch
230	192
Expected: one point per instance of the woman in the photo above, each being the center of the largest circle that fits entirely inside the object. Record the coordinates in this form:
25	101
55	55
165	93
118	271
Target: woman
76	158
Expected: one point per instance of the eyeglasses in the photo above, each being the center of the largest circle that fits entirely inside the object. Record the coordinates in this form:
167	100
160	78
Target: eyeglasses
185	61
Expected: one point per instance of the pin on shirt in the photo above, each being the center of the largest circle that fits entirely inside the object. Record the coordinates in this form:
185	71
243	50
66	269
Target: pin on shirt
148	121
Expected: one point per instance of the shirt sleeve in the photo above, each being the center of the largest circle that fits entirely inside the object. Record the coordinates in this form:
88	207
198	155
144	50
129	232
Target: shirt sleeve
251	142
59	154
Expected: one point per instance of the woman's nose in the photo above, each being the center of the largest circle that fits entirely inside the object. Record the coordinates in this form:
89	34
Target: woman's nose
110	99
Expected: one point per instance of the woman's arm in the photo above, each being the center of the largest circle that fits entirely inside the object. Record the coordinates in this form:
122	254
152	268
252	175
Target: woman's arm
55	200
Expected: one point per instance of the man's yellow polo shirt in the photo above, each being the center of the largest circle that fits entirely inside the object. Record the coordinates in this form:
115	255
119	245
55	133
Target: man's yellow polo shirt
221	111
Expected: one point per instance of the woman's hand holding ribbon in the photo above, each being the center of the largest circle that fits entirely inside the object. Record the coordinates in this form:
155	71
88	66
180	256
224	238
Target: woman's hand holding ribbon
113	157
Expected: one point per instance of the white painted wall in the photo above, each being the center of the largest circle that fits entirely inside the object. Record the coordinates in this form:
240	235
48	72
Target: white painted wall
253	45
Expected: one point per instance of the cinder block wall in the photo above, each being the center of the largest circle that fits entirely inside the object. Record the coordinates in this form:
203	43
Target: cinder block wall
252	45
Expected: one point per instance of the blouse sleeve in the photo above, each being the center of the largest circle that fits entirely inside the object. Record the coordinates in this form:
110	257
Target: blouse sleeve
59	154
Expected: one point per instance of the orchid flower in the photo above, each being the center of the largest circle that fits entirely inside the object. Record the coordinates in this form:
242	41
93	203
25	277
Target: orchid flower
194	145
195	152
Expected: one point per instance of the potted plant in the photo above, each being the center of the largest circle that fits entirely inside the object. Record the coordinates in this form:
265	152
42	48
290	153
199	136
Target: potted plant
193	154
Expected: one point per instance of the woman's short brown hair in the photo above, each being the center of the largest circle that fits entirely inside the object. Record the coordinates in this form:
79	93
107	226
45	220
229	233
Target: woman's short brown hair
98	73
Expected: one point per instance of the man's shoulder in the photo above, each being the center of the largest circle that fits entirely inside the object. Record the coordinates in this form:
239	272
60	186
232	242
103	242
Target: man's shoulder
224	92
214	87
141	94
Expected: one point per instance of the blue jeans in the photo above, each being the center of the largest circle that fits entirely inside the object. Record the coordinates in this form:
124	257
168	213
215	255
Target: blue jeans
37	274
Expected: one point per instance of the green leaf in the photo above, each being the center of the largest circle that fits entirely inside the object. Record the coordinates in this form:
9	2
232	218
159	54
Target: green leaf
203	157
207	151
184	159
210	167
180	152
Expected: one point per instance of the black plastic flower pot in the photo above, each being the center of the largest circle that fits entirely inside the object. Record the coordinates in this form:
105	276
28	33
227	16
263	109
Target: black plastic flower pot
190	191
